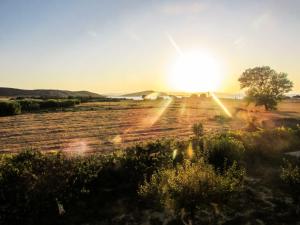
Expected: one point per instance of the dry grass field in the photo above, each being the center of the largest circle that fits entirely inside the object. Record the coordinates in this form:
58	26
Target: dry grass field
104	126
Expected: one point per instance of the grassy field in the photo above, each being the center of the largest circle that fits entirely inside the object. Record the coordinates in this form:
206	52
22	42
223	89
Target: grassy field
103	126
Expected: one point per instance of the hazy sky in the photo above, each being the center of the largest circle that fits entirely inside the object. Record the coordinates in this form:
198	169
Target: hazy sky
121	46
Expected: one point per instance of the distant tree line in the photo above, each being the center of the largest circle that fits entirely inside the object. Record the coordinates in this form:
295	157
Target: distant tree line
14	107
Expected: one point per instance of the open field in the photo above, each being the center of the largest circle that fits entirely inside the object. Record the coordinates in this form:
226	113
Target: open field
104	126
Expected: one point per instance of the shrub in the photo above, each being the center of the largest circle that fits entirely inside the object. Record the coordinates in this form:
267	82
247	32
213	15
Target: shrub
142	160
222	118
8	108
267	145
290	175
222	150
29	105
54	103
69	103
191	185
50	103
198	130
37	188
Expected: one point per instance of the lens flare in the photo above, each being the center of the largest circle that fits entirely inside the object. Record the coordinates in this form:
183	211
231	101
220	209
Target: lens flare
190	151
223	107
174	154
146	122
152	119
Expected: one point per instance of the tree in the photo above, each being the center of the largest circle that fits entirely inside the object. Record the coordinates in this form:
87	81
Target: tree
264	86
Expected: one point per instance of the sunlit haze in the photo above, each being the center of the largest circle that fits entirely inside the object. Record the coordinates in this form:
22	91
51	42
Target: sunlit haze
195	72
125	46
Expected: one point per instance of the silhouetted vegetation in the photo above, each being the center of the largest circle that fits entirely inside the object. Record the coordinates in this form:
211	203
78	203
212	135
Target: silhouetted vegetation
54	103
14	107
8	108
290	175
212	178
264	86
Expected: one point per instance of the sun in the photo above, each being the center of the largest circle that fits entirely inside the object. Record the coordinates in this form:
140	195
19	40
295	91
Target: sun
195	71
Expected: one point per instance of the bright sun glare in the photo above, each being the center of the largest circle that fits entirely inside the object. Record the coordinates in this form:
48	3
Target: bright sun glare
195	71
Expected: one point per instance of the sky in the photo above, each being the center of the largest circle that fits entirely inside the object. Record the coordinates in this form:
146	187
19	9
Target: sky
122	46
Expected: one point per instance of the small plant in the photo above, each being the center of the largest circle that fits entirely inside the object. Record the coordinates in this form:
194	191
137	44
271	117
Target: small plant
222	118
290	173
29	105
198	130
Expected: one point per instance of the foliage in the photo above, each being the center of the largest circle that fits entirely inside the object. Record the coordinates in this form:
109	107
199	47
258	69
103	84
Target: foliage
33	184
198	130
38	188
29	105
267	145
8	108
222	150
54	103
191	185
290	173
55	188
265	86
222	118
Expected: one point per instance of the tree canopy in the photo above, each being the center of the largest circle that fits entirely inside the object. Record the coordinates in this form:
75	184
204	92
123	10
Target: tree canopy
264	86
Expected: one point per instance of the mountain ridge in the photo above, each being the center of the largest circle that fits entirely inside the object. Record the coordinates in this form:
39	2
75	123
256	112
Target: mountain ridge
141	93
54	93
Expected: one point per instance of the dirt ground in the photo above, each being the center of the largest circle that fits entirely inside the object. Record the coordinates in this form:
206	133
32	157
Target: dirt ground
103	126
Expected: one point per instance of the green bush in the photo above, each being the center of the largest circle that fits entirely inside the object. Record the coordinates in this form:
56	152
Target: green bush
222	150
37	188
198	130
69	103
142	160
8	108
268	145
56	103
290	175
222	118
29	105
191	185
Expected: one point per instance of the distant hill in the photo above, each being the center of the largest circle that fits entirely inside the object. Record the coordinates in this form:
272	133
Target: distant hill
46	93
141	93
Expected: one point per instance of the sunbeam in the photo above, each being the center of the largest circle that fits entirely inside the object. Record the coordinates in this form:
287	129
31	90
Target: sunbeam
218	101
146	122
152	119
